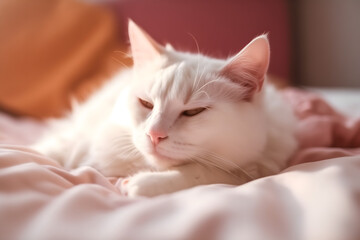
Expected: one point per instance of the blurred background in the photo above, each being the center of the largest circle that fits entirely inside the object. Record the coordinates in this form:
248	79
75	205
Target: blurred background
51	51
327	42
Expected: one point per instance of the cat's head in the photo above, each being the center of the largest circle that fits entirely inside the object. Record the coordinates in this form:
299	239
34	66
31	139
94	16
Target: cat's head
188	107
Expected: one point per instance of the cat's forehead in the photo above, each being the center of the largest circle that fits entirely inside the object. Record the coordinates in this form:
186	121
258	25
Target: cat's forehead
185	80
173	82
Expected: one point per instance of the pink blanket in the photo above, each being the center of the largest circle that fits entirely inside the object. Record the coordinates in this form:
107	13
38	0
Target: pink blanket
315	200
323	133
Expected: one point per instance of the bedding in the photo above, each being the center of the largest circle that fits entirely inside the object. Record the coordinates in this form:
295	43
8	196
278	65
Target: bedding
317	197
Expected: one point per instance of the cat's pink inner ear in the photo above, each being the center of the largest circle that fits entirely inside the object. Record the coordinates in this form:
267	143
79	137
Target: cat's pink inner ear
143	47
250	65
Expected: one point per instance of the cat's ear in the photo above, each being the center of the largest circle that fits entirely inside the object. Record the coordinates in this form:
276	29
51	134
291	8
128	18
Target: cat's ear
144	49
249	66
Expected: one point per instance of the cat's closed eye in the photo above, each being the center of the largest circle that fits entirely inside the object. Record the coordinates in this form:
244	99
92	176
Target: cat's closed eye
146	104
193	112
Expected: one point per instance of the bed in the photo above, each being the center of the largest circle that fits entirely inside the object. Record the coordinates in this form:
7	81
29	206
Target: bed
316	197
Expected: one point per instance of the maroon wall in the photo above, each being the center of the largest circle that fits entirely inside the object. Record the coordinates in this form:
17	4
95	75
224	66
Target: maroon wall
220	27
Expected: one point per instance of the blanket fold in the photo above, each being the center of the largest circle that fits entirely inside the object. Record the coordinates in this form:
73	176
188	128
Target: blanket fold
322	132
39	200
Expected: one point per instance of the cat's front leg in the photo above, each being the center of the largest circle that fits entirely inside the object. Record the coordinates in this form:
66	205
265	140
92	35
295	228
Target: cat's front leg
151	184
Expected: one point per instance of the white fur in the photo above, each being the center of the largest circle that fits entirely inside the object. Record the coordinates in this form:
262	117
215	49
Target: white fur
231	142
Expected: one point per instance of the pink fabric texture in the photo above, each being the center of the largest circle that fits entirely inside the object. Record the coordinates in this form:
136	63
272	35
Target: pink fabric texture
40	200
22	131
322	132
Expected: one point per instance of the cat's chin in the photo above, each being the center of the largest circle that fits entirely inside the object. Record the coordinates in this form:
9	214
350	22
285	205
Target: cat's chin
162	162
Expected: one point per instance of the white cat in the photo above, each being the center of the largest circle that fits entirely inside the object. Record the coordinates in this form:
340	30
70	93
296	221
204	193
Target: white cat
176	120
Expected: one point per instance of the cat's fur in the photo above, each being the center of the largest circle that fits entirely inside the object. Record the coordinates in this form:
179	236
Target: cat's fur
246	130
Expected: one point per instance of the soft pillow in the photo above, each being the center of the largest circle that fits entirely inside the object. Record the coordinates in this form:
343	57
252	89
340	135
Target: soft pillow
53	50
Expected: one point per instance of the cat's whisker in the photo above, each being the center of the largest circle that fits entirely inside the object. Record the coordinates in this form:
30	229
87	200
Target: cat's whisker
126	153
206	162
221	163
120	62
197	81
206	84
123	144
228	164
126	54
196	75
196	42
202	92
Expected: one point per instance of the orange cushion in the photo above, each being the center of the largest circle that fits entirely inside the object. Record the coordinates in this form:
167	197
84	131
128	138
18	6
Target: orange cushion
51	51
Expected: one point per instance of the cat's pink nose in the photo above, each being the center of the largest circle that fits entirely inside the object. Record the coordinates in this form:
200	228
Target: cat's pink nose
156	136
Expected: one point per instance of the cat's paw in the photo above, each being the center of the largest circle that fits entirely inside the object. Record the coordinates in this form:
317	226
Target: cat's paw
146	184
